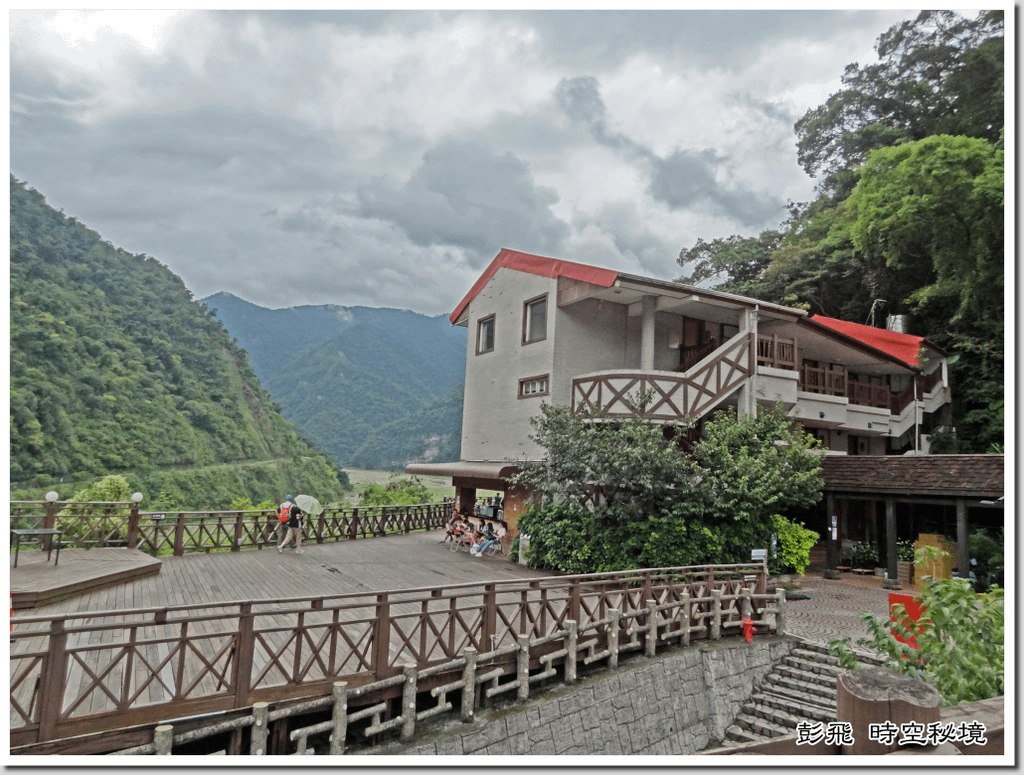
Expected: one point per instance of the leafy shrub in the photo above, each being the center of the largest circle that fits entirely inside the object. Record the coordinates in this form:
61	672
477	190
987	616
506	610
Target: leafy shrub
399	491
864	556
960	646
905	551
794	545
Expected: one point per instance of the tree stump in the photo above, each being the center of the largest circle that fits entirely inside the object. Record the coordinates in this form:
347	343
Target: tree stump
874	695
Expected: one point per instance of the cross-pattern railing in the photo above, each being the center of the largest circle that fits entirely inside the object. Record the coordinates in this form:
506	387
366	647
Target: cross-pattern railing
672	396
82	673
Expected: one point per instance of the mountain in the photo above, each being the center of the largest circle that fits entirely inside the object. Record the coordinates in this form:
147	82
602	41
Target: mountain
351	378
116	369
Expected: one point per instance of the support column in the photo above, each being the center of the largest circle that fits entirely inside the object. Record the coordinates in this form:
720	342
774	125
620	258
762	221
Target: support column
893	581
649	305
963	546
831	538
747	402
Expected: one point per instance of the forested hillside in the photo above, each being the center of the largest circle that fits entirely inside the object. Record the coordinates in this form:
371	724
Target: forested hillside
372	387
909	214
115	369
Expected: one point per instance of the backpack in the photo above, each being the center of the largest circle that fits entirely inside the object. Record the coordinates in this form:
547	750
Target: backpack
286	507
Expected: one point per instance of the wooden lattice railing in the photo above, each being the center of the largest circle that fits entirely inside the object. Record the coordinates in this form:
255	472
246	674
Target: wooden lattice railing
672	396
95	671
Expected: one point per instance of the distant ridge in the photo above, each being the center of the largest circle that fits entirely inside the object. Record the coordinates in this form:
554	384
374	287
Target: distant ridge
343	375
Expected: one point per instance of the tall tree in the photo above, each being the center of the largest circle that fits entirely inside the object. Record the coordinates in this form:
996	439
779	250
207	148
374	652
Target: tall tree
939	74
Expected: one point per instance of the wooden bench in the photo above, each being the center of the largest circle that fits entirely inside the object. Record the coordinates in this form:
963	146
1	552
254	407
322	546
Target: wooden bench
18	534
863	571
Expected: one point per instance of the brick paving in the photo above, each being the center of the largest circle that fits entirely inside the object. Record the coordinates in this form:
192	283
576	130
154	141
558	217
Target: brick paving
835	607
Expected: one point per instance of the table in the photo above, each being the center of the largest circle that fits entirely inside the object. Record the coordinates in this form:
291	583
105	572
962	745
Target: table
16	536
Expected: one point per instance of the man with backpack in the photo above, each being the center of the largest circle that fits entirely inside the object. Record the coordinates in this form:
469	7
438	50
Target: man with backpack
293	526
283	512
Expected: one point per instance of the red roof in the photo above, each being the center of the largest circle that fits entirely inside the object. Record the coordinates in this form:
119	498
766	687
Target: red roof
902	346
538	265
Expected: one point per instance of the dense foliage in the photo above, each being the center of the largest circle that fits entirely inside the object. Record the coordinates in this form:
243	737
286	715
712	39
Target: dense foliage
909	218
960	648
620	495
399	491
375	388
115	369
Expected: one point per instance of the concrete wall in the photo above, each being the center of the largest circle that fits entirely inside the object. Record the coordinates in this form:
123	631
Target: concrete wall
589	336
495	421
678	703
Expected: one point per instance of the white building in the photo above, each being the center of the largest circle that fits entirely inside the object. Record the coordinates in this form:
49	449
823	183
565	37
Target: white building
542	329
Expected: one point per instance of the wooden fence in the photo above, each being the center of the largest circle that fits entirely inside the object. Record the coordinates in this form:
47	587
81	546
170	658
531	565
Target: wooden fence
96	672
122	524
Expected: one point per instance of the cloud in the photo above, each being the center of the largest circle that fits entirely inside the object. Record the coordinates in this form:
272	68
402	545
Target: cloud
470	197
686	179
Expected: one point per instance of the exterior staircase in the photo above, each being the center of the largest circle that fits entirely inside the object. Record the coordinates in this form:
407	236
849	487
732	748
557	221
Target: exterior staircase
801	687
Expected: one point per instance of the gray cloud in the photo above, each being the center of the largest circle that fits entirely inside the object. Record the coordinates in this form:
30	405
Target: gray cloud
684	180
474	198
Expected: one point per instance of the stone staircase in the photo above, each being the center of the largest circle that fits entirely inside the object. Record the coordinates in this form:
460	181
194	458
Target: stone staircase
801	687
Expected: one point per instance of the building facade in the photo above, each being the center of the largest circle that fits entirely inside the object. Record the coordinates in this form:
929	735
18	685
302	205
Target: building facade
547	330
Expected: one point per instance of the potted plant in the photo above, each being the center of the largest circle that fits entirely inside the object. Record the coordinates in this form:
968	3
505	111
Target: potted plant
905	561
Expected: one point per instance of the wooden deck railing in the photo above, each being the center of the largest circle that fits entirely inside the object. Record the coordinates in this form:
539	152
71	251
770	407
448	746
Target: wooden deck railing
776	351
122	524
925	385
87	672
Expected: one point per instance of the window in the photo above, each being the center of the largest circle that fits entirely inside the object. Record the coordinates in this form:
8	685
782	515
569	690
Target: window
485	335
533	386
535	319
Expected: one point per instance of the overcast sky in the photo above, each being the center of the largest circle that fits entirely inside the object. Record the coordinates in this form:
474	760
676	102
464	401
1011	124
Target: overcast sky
384	158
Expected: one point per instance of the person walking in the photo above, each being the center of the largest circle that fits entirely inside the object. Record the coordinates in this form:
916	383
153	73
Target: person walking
294	530
282	517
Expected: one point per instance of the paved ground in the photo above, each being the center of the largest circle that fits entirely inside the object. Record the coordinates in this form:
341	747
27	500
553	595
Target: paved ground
835	608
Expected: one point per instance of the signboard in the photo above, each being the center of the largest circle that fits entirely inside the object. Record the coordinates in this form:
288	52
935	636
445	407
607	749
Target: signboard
759	554
834	520
835	534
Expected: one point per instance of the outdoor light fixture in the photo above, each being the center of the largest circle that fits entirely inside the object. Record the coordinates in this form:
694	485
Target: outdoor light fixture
821	415
51	496
869	425
137	497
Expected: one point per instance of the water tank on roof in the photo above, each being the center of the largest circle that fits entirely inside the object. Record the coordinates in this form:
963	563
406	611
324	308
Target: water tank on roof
898	323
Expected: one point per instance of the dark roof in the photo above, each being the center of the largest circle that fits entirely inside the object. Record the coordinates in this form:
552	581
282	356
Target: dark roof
966	476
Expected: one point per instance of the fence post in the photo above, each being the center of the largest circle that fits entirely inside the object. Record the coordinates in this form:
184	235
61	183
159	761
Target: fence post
243	655
780	617
687	616
339	715
163	737
381	637
613	638
651	643
179	535
523	666
260	727
716	614
409	701
574	600
51	684
321	526
408	519
236	540
353	526
489	618
571	637
133	526
468	684
746	607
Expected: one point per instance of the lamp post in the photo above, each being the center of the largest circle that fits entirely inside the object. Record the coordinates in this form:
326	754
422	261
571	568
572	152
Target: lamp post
133	521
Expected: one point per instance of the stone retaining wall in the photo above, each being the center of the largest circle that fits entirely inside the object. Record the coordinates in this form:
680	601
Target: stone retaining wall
677	703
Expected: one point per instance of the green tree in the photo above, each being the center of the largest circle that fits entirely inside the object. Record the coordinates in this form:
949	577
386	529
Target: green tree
399	491
621	495
938	74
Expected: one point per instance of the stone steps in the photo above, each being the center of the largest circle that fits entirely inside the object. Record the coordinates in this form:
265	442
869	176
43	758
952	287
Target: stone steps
800	688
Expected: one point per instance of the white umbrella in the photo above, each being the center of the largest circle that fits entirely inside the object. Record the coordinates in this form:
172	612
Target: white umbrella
308	504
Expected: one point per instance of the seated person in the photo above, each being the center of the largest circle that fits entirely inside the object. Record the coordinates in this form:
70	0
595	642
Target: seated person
449	528
491	537
461	530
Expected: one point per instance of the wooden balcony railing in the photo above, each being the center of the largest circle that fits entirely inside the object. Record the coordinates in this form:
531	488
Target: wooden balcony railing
829	382
776	351
925	385
869	394
83	673
671	396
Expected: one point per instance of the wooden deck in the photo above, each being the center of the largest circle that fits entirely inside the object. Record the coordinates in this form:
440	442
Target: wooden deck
38	582
385	564
402	561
